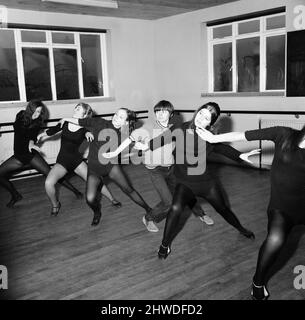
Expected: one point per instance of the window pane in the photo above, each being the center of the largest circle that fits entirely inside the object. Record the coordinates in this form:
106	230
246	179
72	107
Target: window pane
248	64
33	36
9	89
276	22
66	74
223	67
248	27
92	65
60	37
37	73
275	63
221	32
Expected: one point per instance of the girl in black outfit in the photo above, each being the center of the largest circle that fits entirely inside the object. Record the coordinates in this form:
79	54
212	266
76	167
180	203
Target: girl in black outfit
287	202
69	157
27	125
98	166
194	179
200	183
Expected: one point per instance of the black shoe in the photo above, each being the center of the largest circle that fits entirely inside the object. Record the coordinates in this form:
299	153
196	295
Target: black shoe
116	204
247	233
259	292
96	219
15	198
164	252
55	210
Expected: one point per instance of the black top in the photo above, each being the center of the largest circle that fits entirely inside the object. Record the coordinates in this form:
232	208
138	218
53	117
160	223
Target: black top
69	155
106	138
22	136
287	173
190	156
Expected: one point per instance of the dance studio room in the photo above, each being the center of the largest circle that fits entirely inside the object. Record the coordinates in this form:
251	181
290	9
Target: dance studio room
152	150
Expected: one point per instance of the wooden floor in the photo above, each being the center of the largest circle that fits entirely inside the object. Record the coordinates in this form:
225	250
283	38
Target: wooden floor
65	258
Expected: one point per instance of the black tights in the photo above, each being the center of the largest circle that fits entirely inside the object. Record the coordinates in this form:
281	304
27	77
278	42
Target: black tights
183	197
13	164
278	230
95	183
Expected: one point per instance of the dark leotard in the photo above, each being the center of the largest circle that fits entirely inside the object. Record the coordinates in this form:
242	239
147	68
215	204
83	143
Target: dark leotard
287	174
96	125
201	182
23	135
69	156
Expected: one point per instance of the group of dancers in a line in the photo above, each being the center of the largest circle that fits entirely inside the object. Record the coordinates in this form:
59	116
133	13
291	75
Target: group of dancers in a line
178	190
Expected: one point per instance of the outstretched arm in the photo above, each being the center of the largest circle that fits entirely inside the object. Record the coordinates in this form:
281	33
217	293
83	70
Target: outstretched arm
71	120
119	149
43	136
225	137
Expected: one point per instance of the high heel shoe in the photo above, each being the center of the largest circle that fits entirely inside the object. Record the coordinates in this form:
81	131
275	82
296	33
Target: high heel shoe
55	209
96	219
259	292
164	252
15	198
116	203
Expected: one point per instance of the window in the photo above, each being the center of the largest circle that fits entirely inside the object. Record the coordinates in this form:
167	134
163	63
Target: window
247	55
52	65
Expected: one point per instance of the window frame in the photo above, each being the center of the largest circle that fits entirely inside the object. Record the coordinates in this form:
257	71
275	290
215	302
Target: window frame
19	45
262	34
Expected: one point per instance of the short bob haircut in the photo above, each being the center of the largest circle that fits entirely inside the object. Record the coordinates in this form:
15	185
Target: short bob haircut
213	107
164	105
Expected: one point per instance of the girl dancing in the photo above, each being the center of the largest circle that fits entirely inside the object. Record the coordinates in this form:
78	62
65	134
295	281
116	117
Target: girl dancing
287	202
69	158
27	125
99	167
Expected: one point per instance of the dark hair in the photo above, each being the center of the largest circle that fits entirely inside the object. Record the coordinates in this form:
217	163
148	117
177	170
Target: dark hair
213	107
131	119
164	105
292	140
26	116
87	108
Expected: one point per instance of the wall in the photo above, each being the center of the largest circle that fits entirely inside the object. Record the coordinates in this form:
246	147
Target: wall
181	63
132	73
131	69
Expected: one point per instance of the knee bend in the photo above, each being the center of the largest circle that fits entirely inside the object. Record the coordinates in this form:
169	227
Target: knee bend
49	183
90	199
275	239
176	209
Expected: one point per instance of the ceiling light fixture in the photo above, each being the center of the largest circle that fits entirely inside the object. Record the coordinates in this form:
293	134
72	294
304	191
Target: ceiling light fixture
92	3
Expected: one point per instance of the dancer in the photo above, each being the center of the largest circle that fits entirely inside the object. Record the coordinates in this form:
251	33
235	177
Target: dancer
199	183
99	167
159	165
27	125
69	158
287	202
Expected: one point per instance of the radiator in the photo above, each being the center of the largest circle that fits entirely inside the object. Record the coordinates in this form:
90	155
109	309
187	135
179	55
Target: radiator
268	146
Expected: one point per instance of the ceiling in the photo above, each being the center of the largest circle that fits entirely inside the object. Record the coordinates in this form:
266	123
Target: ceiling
135	9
